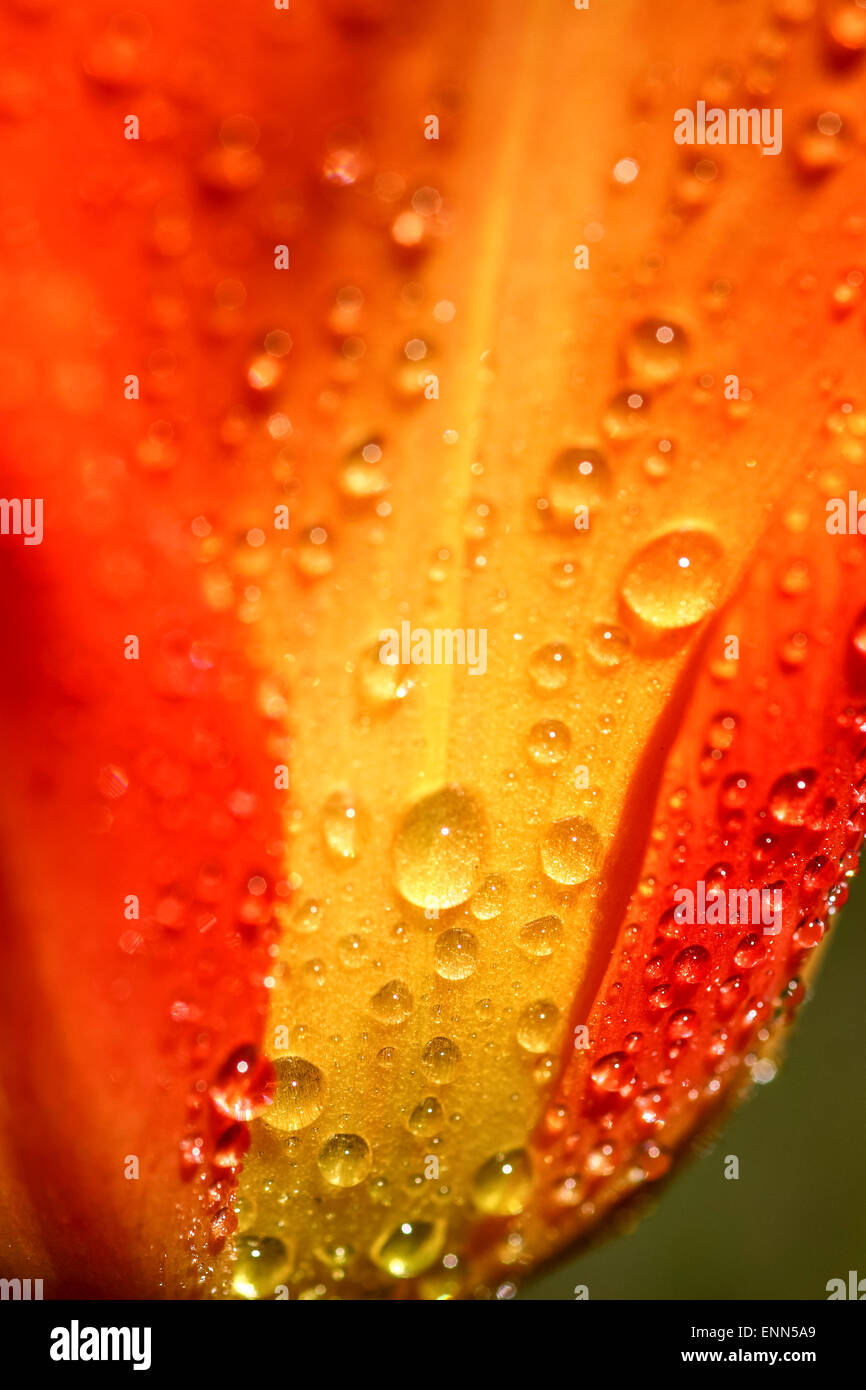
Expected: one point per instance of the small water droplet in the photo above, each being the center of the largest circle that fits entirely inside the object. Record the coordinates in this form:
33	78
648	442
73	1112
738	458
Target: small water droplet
550	667
427	1118
656	351
393	1003
245	1084
455	954
540	938
343	825
792	797
490	899
441	1060
548	743
362	476
578	478
608	644
314	554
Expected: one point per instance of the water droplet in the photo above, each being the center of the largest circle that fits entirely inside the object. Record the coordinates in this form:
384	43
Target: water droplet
537	1026
858	635
393	1003
549	742
439	849
846	25
540	938
363	476
300	1096
307	917
490	898
344	163
626	415
674	581
808	933
345	1160
342	825
608	644
455	954
577	478
563	574
749	952
353	950
656	351
682	1024
231	1146
116	58
792	797
570	851
734	793
427	1118
262	1262
245	1084
692	965
314	555
381	683
503	1184
615	1072
822	145
440	1060
550	667
409	1248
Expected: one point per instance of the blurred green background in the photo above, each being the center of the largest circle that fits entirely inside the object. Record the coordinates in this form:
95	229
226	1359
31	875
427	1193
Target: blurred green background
797	1215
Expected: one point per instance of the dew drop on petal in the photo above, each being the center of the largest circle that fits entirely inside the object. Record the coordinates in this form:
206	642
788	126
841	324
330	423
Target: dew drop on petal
439	849
675	580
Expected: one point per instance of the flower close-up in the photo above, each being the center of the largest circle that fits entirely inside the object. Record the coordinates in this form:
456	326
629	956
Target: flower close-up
433	624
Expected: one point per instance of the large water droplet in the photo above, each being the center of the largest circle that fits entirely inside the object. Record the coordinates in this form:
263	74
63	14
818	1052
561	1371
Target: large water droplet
262	1262
674	581
502	1185
409	1248
300	1096
439	849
